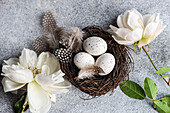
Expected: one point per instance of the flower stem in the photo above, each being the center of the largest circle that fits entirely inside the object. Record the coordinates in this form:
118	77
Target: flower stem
153	63
24	108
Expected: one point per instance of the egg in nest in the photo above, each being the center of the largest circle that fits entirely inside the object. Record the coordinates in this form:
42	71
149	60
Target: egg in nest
95	46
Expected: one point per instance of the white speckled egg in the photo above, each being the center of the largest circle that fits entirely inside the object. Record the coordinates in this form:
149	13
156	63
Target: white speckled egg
95	46
83	59
106	62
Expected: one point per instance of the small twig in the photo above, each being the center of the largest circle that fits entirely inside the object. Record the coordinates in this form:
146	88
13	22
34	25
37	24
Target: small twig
153	63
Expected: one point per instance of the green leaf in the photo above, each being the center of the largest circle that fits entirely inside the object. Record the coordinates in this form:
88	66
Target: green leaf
165	76
163	70
18	107
166	100
162	106
132	90
150	88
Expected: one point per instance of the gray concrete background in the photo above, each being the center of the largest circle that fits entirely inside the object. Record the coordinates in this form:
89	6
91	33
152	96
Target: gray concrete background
20	25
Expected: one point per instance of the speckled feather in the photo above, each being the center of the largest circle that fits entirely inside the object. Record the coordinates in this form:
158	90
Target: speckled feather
72	39
51	31
40	45
51	35
63	55
48	22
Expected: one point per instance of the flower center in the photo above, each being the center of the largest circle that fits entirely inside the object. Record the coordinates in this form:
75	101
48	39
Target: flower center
34	70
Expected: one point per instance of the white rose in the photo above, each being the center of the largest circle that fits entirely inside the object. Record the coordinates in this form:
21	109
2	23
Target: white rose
41	75
130	27
133	27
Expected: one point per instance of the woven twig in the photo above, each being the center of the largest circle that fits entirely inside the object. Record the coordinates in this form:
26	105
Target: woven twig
100	85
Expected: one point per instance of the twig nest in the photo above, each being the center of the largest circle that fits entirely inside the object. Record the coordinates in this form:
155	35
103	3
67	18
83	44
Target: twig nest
83	60
120	64
106	62
95	45
96	42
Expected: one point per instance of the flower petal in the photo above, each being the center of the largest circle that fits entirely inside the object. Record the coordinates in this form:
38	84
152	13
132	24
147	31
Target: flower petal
129	35
145	19
46	58
28	58
58	87
64	84
113	28
153	27
159	30
52	97
123	42
55	90
21	76
153	18
126	36
110	31
134	21
130	19
125	18
117	38
137	13
39	100
58	76
120	21
44	80
9	68
134	35
45	69
10	85
150	29
122	32
11	61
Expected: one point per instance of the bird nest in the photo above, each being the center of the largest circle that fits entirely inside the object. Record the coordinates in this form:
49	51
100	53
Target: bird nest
100	85
65	45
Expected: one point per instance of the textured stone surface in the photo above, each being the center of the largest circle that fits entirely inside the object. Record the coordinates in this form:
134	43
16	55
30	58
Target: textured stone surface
20	25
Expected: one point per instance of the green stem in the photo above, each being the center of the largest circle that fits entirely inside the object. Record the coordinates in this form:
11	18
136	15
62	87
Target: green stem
153	63
160	99
154	100
24	107
148	99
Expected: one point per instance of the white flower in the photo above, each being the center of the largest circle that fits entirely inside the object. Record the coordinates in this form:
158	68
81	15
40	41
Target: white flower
134	27
41	74
153	26
130	27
